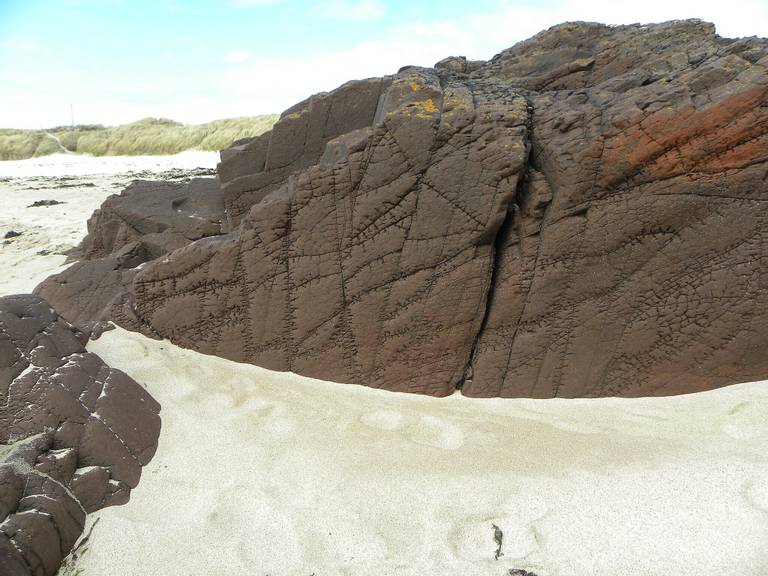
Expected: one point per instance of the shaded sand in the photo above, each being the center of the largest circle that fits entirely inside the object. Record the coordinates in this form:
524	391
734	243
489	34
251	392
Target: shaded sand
262	473
82	183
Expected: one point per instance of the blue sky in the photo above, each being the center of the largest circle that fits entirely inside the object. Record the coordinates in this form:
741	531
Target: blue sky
117	61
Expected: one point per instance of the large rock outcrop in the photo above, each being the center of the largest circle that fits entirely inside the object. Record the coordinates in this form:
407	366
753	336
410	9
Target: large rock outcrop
371	266
74	435
583	215
636	263
252	169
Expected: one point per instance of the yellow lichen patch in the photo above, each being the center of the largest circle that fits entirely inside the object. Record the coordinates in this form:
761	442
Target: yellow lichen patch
457	100
428	105
295	115
419	109
415	86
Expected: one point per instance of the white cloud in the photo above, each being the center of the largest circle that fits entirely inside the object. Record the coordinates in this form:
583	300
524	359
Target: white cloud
272	85
275	84
254	2
238	56
355	10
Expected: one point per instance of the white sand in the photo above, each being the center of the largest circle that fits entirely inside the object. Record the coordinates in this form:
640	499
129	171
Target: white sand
260	473
82	164
268	473
82	182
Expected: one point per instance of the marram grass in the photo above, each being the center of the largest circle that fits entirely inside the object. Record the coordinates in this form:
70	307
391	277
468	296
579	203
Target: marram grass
151	136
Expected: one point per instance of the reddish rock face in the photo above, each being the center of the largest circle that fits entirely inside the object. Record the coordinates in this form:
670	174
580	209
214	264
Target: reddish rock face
583	215
74	435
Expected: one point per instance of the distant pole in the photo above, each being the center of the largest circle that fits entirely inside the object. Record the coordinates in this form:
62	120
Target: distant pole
72	115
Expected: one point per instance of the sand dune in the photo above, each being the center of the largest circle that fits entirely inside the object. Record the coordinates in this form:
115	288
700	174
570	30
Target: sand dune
146	136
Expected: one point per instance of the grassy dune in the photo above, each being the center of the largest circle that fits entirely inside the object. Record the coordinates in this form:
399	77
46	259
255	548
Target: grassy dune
148	136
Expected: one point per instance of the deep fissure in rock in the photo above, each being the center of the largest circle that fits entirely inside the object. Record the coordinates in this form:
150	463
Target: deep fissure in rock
513	212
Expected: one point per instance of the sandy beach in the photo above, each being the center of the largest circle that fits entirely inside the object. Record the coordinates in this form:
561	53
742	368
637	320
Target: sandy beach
80	183
263	473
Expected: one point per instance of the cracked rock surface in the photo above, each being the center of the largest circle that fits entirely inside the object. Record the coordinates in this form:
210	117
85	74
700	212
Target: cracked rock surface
162	215
583	215
371	266
74	435
636	261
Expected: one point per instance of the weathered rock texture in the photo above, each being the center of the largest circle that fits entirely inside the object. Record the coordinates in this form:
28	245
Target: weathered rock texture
371	266
636	262
583	215
162	215
74	435
250	170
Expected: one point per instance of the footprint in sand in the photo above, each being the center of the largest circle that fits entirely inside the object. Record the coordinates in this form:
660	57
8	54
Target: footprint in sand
738	431
756	494
436	432
745	422
473	541
427	430
383	419
272	419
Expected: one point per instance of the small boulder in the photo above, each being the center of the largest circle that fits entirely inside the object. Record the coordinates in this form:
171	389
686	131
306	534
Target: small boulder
38	203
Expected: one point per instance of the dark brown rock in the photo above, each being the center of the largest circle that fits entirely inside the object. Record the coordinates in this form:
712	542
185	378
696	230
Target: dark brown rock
371	266
74	435
397	233
12	563
148	219
459	64
577	55
38	203
250	170
84	293
163	215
